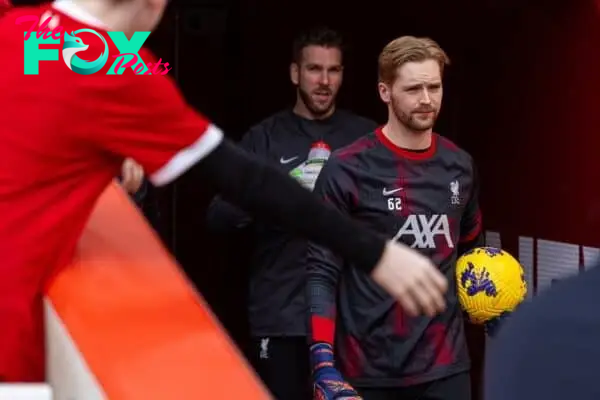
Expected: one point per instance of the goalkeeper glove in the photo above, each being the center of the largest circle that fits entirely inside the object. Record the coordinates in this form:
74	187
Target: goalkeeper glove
328	382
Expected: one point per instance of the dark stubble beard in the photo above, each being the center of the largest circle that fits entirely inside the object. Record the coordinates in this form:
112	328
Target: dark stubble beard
312	107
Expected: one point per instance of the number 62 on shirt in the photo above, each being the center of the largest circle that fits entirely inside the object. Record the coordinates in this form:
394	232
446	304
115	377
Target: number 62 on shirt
394	203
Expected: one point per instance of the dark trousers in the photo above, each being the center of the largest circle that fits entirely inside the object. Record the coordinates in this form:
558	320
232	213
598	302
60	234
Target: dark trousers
455	387
283	363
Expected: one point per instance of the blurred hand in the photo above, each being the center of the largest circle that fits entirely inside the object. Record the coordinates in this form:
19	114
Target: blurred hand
412	279
132	176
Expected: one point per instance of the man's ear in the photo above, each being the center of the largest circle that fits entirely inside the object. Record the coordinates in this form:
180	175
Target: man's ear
295	73
385	92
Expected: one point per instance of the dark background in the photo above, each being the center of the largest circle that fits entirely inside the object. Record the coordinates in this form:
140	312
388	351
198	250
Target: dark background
521	96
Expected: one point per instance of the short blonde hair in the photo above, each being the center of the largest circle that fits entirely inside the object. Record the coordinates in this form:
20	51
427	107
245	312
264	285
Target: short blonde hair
408	49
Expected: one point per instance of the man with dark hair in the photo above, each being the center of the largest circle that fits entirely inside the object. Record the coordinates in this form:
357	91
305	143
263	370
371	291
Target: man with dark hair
312	128
317	71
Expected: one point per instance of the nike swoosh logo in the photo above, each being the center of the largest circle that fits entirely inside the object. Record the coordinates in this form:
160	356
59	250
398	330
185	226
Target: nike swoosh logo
388	192
287	160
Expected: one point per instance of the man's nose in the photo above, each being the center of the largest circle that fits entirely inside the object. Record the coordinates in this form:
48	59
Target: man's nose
425	97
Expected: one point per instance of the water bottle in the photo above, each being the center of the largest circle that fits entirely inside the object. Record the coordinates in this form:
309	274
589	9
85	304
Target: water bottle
319	153
308	172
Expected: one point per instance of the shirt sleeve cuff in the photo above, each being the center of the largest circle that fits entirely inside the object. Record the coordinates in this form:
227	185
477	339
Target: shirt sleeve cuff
188	156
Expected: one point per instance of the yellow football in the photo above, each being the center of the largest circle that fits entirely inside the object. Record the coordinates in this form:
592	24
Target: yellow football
489	283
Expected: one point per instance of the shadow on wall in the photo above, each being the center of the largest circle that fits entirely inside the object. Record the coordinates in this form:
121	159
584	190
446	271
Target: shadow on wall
530	118
535	136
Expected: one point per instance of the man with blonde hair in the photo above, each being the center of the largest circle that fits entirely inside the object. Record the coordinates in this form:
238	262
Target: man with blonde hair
420	189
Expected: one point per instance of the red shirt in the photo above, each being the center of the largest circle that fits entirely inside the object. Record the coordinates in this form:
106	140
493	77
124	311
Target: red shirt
4	5
63	139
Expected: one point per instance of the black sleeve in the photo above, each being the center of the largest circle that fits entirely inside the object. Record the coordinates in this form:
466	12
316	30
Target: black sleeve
273	196
323	266
222	216
140	196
